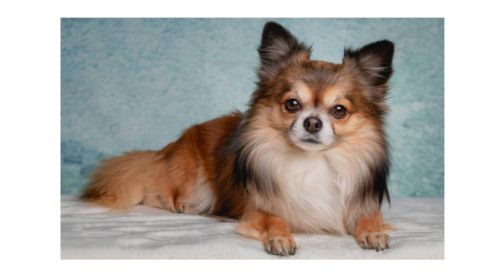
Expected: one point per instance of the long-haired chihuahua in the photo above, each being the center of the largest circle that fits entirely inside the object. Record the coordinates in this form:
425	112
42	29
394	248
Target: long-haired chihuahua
309	155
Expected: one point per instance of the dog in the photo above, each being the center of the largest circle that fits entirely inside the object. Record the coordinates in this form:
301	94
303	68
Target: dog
309	155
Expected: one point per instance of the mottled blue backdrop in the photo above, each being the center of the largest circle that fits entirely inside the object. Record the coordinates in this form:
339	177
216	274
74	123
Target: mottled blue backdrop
132	84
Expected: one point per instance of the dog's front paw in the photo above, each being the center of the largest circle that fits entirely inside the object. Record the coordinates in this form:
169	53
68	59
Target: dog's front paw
280	245
374	240
184	208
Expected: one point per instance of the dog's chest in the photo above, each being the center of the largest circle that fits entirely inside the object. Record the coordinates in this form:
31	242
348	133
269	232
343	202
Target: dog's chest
312	197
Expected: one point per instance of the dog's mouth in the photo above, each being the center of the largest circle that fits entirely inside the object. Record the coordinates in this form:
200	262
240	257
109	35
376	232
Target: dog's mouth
309	143
311	140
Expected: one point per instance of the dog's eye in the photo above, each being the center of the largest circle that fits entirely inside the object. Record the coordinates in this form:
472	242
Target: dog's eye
339	111
292	105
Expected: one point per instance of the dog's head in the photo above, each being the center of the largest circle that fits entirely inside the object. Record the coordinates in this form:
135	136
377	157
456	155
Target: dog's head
316	105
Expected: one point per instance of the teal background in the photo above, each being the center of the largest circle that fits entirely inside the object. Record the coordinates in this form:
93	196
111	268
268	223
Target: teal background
130	84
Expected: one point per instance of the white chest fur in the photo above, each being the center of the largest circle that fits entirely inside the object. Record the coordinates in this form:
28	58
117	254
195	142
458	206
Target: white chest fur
312	193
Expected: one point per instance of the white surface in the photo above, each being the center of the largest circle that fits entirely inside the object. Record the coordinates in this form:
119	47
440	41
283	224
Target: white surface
93	232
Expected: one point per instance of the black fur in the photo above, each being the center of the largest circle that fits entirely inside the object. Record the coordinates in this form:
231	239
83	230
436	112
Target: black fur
380	178
374	188
241	170
244	175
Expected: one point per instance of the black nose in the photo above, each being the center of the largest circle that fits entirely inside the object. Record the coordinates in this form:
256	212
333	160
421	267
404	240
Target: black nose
312	124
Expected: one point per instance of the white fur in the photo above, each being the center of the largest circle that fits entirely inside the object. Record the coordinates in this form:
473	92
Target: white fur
325	136
298	134
315	187
203	199
301	91
309	199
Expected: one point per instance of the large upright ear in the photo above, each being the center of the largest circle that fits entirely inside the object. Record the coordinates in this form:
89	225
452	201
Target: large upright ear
373	60
278	47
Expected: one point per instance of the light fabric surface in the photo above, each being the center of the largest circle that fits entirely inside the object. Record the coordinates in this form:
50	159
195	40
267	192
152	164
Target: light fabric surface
90	231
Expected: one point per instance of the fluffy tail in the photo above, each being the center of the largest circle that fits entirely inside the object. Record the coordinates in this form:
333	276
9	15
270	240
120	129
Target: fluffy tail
120	181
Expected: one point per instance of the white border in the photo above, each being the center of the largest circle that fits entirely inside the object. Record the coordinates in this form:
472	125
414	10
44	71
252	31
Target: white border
30	112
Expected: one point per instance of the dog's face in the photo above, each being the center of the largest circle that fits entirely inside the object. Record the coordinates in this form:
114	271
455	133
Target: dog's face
315	105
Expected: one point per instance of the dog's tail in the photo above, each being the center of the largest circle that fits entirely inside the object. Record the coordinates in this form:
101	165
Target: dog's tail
120	182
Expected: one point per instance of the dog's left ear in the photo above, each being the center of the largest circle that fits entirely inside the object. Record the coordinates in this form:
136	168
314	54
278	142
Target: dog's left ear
373	60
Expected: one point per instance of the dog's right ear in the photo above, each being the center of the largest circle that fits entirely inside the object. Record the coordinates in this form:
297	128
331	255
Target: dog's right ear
278	48
373	60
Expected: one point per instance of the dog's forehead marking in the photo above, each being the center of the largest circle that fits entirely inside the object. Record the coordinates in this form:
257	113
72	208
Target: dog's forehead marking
302	91
326	96
331	95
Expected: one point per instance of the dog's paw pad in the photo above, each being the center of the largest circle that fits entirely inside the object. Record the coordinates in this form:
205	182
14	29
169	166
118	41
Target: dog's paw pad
374	240
280	245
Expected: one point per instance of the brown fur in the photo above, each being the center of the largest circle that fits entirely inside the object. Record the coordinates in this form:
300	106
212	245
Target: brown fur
371	232
166	179
270	229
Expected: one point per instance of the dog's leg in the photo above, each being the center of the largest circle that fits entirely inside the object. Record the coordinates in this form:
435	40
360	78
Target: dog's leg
270	229
371	233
